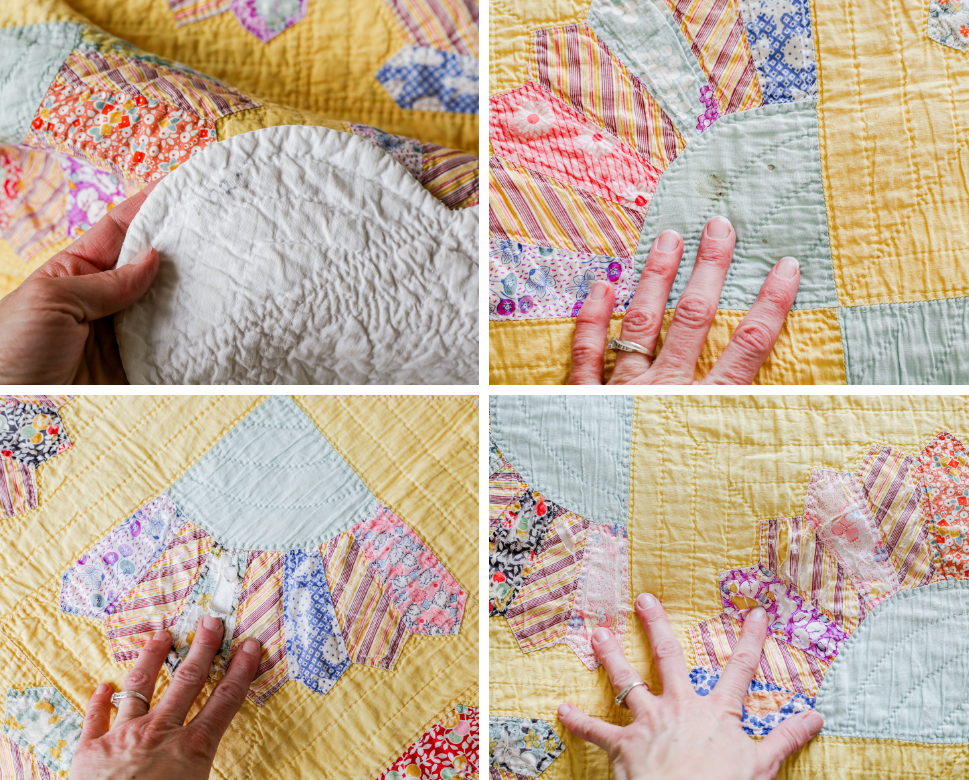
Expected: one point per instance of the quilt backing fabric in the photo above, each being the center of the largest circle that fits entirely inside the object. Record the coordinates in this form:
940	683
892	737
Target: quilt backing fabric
846	518
338	531
819	132
89	118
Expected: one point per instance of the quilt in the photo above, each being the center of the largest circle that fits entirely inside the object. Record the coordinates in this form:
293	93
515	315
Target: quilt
89	118
819	131
339	531
845	517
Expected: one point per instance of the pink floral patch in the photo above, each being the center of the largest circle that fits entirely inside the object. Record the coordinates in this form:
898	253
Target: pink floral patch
10	176
91	195
791	618
944	473
268	18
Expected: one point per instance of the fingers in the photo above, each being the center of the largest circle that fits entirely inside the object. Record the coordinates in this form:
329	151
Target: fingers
644	316
98	249
143	676
93	296
697	306
97	716
591	327
620	672
754	339
192	673
593	730
229	695
667	651
786	739
732	687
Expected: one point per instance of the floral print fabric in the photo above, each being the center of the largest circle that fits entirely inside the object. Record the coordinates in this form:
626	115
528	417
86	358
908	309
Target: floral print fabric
797	622
531	282
101	577
779	32
268	18
30	433
514	543
425	79
407	151
430	600
525	746
10	176
90	195
44	723
944	473
949	23
765	705
449	751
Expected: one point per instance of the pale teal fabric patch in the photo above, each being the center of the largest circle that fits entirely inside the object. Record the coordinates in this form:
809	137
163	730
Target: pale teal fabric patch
29	59
43	722
904	673
644	35
762	170
574	450
917	343
273	483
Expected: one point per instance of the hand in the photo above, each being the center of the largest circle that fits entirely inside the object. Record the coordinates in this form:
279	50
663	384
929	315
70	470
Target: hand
680	734
749	346
156	744
56	328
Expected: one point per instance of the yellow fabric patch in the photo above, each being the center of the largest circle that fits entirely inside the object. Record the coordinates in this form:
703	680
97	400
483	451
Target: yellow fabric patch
413	451
539	351
13	270
891	112
271	115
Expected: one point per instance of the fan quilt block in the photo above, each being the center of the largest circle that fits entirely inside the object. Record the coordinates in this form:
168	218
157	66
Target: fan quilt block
845	518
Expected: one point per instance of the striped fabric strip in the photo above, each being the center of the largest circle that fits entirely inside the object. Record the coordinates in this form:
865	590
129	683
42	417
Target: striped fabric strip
790	549
573	63
18	487
373	628
17	764
201	95
260	615
188	11
717	36
50	401
895	496
40	218
540	612
504	486
535	209
448	25
155	602
781	664
451	176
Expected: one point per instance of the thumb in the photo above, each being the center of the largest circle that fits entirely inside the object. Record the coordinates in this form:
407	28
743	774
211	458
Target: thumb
99	294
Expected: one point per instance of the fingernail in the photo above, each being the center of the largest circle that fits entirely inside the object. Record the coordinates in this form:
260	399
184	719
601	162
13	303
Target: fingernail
102	688
757	615
668	241
813	722
142	256
601	635
250	646
718	227
161	636
211	623
787	268
646	601
598	291
563	710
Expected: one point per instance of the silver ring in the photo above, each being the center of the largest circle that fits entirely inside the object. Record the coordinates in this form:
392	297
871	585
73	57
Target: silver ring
117	697
630	346
621	698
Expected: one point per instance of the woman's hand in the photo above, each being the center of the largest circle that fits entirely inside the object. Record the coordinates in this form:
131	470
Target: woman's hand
680	734
56	328
159	744
749	346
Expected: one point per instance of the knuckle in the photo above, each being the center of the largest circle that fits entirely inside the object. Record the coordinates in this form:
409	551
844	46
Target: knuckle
638	322
586	351
230	692
658	269
192	673
755	338
716	255
746	657
695	311
623	677
95	712
197	742
667	648
137	679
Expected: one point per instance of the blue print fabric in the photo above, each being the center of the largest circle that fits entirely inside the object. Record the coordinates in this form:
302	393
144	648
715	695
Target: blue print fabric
780	42
425	79
765	706
315	650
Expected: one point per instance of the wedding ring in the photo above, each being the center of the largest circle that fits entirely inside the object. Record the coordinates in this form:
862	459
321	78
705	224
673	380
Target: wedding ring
630	346
621	698
117	697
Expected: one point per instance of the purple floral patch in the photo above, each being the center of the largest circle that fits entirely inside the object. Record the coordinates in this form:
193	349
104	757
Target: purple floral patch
91	194
268	18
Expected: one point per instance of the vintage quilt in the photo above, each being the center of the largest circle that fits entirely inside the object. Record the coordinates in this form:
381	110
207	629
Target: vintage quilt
340	531
820	130
89	118
845	517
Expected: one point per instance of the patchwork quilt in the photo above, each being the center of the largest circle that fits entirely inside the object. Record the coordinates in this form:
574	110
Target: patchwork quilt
820	130
338	531
846	518
89	118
